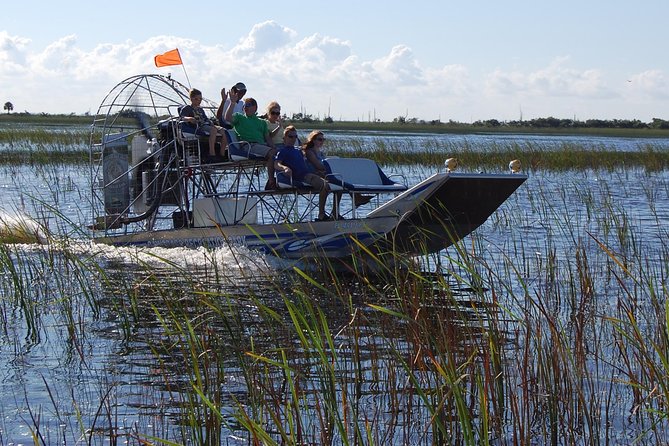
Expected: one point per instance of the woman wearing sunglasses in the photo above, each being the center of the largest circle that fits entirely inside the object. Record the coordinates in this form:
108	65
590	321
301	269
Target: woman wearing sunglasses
312	152
274	123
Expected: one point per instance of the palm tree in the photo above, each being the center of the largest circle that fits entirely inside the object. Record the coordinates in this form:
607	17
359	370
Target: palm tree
8	106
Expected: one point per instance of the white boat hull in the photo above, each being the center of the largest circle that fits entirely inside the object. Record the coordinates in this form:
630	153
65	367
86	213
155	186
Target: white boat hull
335	239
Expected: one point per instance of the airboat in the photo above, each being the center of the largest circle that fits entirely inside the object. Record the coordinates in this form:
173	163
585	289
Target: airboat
151	186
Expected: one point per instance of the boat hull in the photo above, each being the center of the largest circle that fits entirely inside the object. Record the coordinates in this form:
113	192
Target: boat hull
461	204
330	239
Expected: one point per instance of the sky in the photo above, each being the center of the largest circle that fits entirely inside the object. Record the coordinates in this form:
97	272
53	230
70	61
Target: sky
352	60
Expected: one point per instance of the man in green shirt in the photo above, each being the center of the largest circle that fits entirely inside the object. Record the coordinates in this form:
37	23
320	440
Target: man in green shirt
253	130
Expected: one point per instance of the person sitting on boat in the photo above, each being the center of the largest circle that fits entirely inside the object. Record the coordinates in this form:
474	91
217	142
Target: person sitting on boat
254	131
274	123
314	156
312	152
290	161
195	121
238	107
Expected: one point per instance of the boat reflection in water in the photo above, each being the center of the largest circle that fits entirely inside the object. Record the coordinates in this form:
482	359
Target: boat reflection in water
189	355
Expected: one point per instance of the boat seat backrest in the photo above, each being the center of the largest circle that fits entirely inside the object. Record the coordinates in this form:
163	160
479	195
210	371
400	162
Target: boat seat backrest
359	174
239	150
189	130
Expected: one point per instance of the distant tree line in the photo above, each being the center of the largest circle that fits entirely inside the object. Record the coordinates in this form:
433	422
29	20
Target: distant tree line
551	122
543	123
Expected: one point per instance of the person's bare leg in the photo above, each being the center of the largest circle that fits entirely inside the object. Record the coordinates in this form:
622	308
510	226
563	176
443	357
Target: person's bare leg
212	142
322	198
336	199
271	180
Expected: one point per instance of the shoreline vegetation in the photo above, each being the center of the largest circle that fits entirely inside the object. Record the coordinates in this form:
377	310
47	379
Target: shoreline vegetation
657	128
29	139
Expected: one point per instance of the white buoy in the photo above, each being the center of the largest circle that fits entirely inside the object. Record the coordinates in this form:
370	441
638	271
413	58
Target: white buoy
451	164
514	166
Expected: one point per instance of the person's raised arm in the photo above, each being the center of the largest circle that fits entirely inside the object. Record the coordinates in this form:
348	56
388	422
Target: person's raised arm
221	108
233	100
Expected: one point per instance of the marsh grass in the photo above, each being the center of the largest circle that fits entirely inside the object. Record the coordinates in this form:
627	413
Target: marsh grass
533	155
38	147
478	353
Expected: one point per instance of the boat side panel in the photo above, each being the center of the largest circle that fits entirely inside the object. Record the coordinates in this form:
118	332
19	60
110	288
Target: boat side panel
314	239
453	211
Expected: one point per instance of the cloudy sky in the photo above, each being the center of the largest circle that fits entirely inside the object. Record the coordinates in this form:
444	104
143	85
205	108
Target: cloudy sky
437	59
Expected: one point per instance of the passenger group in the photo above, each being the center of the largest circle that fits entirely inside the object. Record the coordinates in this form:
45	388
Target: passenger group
267	138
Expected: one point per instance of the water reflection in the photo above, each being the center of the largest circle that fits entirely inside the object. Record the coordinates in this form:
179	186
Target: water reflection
147	337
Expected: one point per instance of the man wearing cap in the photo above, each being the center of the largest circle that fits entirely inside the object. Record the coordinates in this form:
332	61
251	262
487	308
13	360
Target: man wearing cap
240	89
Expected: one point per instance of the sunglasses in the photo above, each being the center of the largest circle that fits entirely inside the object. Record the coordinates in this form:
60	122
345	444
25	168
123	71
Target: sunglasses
249	105
291	136
320	138
274	113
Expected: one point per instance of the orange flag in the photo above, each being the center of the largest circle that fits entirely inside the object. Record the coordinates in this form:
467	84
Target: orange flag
171	57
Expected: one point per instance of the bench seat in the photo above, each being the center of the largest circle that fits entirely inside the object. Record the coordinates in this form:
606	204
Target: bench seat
359	175
286	182
239	150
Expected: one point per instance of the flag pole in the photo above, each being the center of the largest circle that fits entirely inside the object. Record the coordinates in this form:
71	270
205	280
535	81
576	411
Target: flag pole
172	57
183	66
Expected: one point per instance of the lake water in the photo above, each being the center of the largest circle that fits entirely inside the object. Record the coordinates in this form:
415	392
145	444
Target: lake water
76	357
487	141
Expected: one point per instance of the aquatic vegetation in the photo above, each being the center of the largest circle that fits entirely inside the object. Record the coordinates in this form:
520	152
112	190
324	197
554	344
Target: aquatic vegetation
39	147
547	325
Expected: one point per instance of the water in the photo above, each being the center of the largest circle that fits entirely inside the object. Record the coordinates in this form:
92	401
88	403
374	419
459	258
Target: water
489	141
73	345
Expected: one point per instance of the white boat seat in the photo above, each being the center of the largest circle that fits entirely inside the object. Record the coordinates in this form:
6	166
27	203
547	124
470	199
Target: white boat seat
239	150
188	131
286	182
359	175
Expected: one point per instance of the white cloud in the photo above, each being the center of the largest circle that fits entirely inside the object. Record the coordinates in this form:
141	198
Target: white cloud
399	67
322	49
315	73
451	80
13	51
652	83
264	37
555	80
